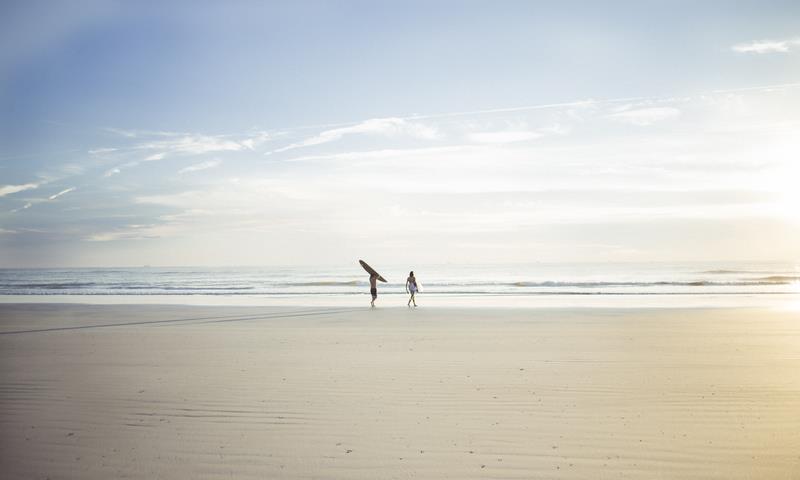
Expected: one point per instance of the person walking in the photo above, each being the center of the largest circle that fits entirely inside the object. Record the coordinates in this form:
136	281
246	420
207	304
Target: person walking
373	288
411	287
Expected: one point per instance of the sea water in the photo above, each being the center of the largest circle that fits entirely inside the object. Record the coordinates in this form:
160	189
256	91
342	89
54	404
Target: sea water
679	280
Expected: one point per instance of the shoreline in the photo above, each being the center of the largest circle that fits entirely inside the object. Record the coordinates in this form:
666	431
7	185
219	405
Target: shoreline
790	301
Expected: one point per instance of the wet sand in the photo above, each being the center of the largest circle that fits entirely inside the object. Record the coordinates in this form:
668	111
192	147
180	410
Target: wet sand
98	392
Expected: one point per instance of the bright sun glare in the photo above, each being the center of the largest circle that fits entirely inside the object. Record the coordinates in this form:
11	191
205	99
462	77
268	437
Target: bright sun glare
785	184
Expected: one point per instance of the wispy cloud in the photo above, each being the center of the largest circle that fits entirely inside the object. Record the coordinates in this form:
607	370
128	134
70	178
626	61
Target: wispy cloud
192	144
118	169
10	189
526	108
24	207
128	133
186	145
256	140
36	201
767	46
200	166
167	142
155	157
122	132
388	153
394	126
504	137
646	116
128	232
62	192
513	136
102	150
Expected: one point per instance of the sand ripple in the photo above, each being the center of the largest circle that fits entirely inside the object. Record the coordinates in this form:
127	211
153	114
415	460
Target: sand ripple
395	393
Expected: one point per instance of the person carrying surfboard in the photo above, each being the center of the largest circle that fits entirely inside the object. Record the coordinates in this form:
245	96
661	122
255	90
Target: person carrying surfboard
411	287
373	288
374	278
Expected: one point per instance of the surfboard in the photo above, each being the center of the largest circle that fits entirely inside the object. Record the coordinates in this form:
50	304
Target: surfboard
371	271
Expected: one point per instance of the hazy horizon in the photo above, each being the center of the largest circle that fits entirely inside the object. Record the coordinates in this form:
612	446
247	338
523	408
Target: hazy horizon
259	134
395	265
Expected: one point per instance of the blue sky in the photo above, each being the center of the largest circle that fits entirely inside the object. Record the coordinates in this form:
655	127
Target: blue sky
209	133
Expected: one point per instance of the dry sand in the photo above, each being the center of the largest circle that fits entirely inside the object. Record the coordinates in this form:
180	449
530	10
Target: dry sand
220	392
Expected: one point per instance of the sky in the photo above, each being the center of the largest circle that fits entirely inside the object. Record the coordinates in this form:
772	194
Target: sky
316	132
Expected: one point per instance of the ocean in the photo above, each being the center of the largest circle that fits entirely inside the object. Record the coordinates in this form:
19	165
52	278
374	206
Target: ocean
539	279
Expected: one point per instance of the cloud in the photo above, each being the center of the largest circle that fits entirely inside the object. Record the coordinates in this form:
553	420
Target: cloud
767	46
512	136
9	189
646	116
24	207
388	153
101	151
504	137
186	144
376	126
35	201
256	140
192	144
128	232
133	163
62	192
142	133
542	106
200	166
183	143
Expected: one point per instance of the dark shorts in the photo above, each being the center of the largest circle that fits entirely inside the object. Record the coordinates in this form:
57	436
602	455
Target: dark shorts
374	292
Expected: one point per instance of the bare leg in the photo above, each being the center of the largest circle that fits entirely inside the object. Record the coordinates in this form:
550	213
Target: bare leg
413	294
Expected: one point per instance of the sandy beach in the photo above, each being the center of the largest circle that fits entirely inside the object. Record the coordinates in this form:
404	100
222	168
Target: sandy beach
98	392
